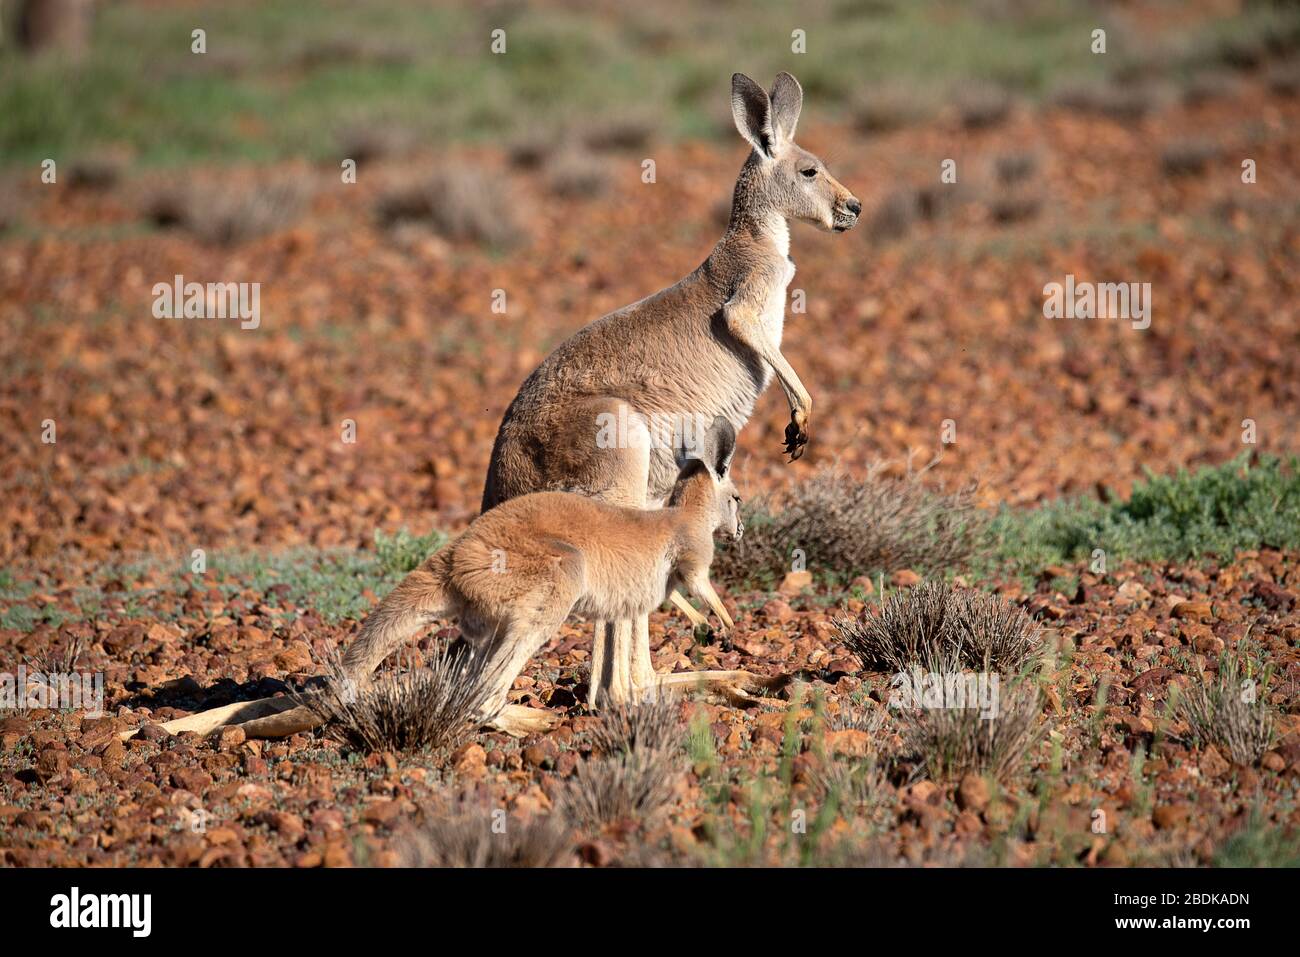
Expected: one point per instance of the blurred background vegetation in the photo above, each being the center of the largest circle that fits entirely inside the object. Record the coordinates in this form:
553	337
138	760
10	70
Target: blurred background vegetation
287	79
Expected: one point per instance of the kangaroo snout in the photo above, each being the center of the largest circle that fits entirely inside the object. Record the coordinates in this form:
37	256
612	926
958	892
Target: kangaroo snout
846	214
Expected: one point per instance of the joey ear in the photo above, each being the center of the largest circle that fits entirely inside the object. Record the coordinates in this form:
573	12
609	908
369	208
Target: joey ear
720	446
752	111
787	101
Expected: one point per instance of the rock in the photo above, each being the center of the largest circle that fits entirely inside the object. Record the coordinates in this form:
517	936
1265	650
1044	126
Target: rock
778	611
1133	590
1192	611
52	762
469	759
924	791
904	578
297	657
229	738
191	779
1273	761
113	756
282	822
540	754
1115	855
153	732
1209	645
327	819
867	586
795	582
384	813
1169	816
1212	764
336	855
851	742
973	793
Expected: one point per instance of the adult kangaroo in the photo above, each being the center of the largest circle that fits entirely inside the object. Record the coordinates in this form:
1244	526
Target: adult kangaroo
705	347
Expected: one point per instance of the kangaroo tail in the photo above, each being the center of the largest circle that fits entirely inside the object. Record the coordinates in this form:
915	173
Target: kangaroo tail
421	597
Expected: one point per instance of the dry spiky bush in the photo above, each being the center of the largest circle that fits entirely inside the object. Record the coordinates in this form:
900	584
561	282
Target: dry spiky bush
886	108
1119	103
466	838
57	662
460	203
847	526
629	787
632	773
937	627
860	787
577	174
951	742
654	726
412	709
1187	157
1229	713
627	132
220	217
983	107
1013	168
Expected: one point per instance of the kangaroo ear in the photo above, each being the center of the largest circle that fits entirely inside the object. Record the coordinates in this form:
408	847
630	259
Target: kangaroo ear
752	111
720	446
787	101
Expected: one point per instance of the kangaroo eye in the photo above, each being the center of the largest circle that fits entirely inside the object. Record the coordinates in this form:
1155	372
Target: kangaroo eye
809	173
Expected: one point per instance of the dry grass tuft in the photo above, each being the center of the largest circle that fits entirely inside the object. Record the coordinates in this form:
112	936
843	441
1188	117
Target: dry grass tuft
936	627
1123	104
884	109
578	174
414	709
952	742
1188	157
630	132
1013	168
226	219
655	726
467	839
857	787
460	204
1229	713
983	108
847	526
634	776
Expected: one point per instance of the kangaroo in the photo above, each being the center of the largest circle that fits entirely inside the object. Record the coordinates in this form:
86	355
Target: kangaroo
520	569
707	346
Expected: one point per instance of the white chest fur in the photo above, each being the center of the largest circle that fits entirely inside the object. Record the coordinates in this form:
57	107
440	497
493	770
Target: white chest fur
774	309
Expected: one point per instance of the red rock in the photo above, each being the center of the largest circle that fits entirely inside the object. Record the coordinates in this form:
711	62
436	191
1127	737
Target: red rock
973	793
1169	816
1212	764
795	582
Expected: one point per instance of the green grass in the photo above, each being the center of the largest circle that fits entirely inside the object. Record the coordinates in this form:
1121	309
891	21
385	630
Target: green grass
1259	844
284	79
1215	511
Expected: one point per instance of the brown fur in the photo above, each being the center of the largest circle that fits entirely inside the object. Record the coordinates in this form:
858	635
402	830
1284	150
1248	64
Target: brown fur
520	569
706	346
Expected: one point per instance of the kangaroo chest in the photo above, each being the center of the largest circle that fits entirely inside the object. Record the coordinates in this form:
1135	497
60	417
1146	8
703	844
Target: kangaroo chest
773	315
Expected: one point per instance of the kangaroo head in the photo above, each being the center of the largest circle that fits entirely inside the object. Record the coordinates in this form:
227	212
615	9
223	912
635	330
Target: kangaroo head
780	177
705	484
